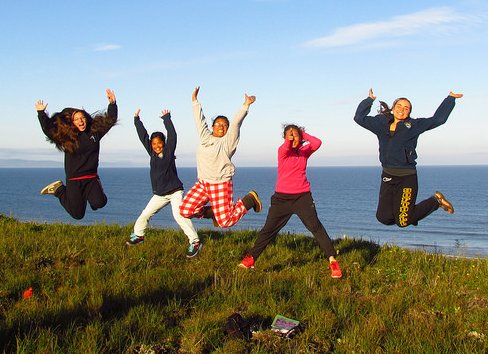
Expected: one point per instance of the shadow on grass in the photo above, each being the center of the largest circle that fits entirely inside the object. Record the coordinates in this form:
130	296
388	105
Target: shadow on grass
113	307
369	250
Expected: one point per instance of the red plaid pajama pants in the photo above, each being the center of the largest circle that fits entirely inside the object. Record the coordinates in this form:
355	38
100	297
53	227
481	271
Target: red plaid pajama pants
220	196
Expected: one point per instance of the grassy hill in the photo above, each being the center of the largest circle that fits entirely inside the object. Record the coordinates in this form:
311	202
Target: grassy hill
92	294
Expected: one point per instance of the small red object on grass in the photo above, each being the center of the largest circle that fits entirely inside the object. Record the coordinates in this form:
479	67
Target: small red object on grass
28	293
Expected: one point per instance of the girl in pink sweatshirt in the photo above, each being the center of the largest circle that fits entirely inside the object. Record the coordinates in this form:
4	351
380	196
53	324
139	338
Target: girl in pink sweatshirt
292	196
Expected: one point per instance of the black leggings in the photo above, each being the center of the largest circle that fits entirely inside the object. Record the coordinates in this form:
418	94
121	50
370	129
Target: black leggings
397	200
283	206
74	196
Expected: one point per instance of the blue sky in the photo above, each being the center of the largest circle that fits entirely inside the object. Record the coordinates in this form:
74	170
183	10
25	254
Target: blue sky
307	62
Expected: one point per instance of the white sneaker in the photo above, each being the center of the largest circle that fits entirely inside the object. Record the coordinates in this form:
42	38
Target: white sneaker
51	188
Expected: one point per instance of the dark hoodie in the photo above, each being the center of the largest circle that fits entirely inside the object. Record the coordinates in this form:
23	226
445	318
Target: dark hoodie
164	178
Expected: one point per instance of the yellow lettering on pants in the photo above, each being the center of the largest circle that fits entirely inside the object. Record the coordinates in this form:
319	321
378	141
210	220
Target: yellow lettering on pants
404	206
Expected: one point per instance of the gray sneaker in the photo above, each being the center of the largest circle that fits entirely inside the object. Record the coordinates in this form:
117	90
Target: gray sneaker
51	188
194	248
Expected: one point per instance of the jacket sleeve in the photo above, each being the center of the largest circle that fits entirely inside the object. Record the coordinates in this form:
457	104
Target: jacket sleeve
440	116
285	149
142	134
202	127
232	136
170	146
363	119
46	123
104	124
314	142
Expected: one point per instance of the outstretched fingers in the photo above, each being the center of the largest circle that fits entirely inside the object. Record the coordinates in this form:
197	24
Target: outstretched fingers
111	96
455	95
40	106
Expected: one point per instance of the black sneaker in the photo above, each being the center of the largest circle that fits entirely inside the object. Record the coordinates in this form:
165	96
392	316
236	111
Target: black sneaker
194	248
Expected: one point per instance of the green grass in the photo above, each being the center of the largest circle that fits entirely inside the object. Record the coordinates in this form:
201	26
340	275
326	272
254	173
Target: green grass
92	294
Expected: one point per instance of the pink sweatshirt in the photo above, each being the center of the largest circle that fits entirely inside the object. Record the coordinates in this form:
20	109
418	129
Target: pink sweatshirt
292	165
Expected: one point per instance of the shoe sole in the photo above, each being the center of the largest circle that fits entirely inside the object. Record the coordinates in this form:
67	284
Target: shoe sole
243	266
258	206
133	244
45	190
444	203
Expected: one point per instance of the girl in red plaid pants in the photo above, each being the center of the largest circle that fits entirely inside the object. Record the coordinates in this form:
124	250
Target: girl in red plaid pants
215	170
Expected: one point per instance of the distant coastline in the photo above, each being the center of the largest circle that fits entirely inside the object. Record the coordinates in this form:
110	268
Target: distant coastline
21	163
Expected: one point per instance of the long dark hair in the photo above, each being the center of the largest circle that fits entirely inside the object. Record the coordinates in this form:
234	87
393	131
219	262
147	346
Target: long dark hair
386	110
64	134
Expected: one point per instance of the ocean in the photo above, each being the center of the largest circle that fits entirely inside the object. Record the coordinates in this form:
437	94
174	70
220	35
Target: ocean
345	198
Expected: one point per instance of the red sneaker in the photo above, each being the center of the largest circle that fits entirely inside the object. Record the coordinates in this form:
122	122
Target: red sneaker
335	270
247	262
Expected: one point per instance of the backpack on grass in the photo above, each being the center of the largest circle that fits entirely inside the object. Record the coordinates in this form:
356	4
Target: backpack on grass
237	327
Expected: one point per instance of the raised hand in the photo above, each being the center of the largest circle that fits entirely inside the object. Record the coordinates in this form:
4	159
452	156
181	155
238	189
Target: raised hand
455	95
165	112
249	100
136	114
40	106
111	96
194	96
371	95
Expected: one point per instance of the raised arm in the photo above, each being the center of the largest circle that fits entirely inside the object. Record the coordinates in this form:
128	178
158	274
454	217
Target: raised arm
44	120
112	110
170	145
441	114
361	116
142	132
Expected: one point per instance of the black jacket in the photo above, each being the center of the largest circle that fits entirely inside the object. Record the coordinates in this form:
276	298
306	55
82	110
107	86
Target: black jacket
164	178
398	150
84	161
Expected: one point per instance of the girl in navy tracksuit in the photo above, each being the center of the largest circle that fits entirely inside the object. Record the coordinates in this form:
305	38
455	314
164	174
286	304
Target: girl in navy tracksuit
166	186
78	134
397	135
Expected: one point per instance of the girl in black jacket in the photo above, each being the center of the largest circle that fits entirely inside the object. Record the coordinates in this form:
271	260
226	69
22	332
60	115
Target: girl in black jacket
397	135
166	185
78	134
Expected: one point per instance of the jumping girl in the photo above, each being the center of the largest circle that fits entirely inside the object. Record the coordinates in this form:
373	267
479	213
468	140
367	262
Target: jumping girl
78	134
166	186
293	196
397	135
215	170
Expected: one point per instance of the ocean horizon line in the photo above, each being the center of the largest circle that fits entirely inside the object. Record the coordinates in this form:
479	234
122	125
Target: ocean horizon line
110	166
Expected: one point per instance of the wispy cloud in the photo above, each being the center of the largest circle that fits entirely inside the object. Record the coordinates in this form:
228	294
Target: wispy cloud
436	19
106	47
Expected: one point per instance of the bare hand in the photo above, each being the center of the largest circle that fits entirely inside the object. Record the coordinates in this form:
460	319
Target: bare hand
194	96
455	95
111	96
165	112
371	95
137	113
249	100
40	106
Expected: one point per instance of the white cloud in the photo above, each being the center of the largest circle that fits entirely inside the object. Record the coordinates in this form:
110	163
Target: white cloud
107	47
436	19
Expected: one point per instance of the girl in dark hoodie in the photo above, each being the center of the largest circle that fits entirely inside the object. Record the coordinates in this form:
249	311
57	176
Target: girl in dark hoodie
78	135
397	135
